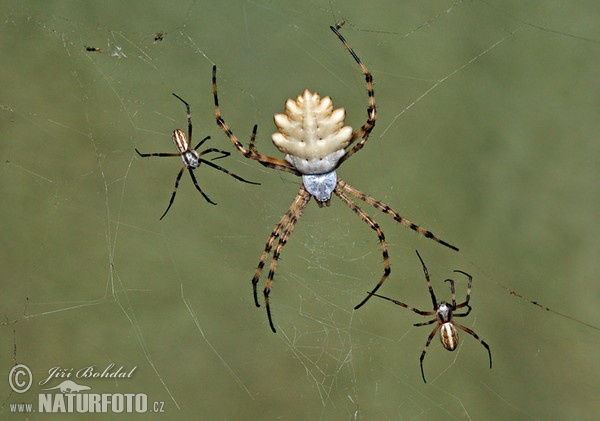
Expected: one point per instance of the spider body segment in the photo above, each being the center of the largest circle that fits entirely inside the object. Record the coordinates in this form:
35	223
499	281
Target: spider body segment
448	333
192	158
444	314
315	141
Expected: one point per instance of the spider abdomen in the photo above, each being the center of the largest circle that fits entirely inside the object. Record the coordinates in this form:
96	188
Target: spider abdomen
312	133
449	336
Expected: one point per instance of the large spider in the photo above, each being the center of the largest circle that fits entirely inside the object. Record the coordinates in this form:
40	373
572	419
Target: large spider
191	157
443	313
313	137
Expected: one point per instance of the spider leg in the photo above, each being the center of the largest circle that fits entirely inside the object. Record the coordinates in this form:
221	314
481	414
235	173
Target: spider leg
174	191
251	152
452	291
283	223
473	334
433	332
386	209
198	187
462	314
466	303
297	208
220	168
430	322
268	161
251	144
371	222
224	154
201	143
189	117
422	313
146	155
267	250
366	128
431	293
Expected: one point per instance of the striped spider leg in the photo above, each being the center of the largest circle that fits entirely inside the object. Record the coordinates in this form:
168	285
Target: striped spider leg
192	158
444	314
315	142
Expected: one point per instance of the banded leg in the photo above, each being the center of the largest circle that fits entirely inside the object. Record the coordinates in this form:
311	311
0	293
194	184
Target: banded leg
431	293
371	222
251	152
283	223
175	190
473	334
416	310
189	120
469	284
191	171
265	254
146	155
366	128
287	231
226	171
386	209
431	335
206	151
452	292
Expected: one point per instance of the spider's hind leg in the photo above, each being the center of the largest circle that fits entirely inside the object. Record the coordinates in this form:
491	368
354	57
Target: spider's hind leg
374	226
283	230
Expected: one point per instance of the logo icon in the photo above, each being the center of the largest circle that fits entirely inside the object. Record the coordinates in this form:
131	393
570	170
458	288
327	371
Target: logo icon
69	386
20	378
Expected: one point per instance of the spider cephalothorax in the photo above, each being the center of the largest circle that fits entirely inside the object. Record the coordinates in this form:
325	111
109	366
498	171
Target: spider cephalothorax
315	141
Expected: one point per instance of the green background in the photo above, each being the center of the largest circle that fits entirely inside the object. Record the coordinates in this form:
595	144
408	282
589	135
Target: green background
487	134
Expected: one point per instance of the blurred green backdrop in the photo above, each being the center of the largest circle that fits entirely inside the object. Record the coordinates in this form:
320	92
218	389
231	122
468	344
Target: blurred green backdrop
487	134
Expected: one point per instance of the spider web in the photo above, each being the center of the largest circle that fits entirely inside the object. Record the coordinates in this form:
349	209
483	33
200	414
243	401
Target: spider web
486	134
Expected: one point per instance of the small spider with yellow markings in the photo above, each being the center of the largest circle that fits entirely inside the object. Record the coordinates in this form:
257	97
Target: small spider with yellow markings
192	158
444	313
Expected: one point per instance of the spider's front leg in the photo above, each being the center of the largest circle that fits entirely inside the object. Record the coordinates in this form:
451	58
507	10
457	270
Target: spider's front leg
251	152
364	132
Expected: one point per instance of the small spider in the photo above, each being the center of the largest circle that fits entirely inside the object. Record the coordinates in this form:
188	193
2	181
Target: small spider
191	157
443	313
312	135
